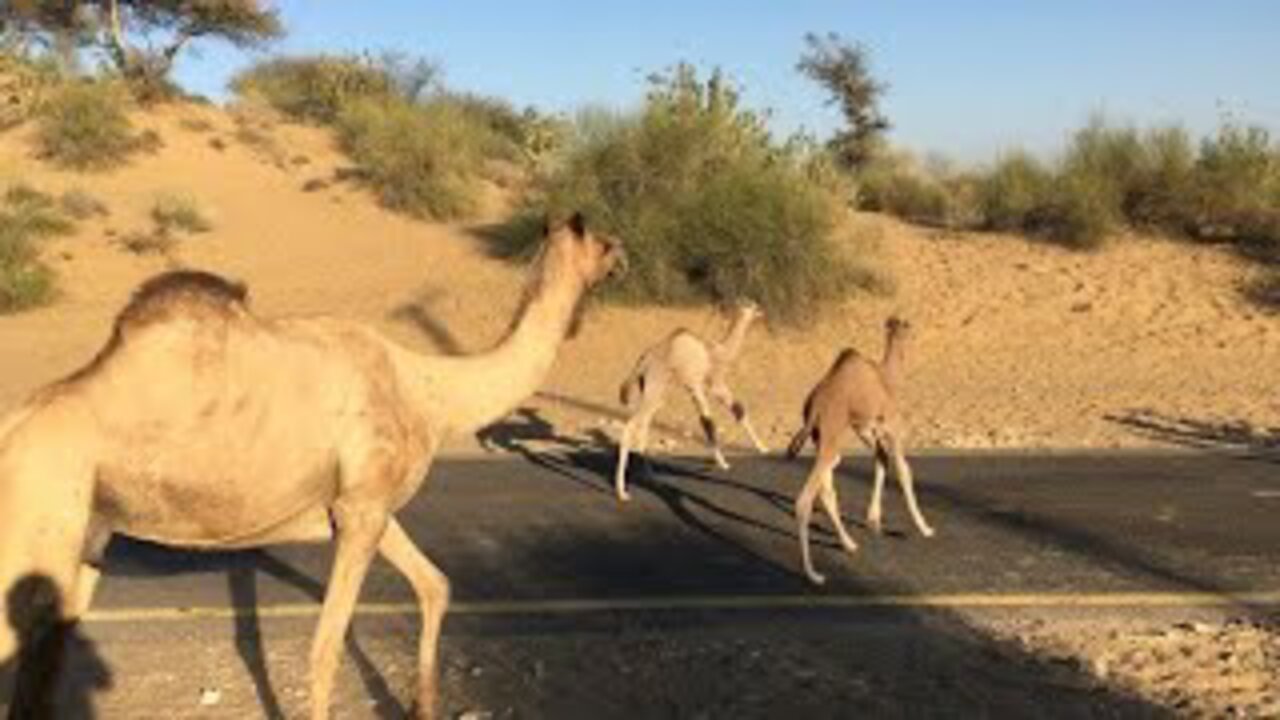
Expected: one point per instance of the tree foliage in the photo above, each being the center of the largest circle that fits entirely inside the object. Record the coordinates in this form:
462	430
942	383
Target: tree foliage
844	71
141	38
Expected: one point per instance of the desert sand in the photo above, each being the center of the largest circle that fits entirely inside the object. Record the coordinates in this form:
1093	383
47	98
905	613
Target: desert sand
1017	345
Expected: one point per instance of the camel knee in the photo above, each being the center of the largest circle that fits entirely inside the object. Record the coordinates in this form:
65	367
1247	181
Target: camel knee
709	429
435	595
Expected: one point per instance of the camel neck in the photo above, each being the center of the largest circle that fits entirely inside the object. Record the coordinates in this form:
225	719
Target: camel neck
469	392
894	358
731	345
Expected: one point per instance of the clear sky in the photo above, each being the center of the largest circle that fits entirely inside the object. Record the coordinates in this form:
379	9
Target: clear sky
967	77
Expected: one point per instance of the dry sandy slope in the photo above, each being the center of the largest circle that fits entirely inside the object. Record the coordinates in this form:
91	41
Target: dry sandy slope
1018	345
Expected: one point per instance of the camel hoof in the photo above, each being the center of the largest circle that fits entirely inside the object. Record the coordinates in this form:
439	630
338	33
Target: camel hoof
874	526
851	548
927	532
816	579
624	496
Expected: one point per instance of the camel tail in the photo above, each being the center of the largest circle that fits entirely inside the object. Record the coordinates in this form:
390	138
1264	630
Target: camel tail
803	434
634	384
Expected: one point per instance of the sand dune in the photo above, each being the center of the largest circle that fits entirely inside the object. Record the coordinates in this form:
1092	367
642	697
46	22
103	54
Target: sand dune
1018	345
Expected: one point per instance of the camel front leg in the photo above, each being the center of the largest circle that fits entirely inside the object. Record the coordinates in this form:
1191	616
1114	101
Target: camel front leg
359	530
905	479
432	590
624	452
722	393
95	545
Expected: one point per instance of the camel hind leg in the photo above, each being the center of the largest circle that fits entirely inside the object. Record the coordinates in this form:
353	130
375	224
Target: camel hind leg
635	434
823	465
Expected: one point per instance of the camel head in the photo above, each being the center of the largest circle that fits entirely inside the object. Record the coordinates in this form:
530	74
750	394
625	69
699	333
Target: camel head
897	328
749	310
590	256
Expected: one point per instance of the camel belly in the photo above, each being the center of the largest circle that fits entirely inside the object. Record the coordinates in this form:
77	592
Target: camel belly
196	509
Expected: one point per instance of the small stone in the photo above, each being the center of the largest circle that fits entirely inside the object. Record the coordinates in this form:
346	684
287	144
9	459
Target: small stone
475	715
210	697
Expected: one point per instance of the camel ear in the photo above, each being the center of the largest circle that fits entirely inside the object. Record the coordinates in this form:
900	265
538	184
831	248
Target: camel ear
578	224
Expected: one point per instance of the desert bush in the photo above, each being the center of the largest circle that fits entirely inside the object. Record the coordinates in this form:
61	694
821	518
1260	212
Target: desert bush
1237	176
1163	197
148	242
84	126
25	281
81	205
32	213
179	212
315	88
1012	191
1075	214
709	207
24	82
424	160
908	195
27	216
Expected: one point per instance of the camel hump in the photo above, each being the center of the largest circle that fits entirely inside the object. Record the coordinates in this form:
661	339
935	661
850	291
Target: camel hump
180	291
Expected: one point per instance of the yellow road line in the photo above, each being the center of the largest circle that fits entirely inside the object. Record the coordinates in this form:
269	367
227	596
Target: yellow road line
738	602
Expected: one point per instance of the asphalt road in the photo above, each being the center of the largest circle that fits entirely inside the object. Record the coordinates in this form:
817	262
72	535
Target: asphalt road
541	531
687	603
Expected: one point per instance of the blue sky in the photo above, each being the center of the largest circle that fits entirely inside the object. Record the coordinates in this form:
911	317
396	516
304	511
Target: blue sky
967	78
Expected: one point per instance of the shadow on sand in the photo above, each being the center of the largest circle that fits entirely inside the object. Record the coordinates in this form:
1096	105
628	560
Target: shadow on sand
1255	443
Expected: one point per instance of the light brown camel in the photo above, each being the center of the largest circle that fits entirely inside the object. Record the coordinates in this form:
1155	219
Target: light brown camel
701	368
863	395
202	425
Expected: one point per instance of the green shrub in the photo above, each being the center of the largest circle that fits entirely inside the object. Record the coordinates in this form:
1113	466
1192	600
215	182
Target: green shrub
424	160
1236	175
83	125
1076	214
32	213
179	212
315	88
156	242
1163	196
24	82
26	216
709	208
82	205
24	282
1014	189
